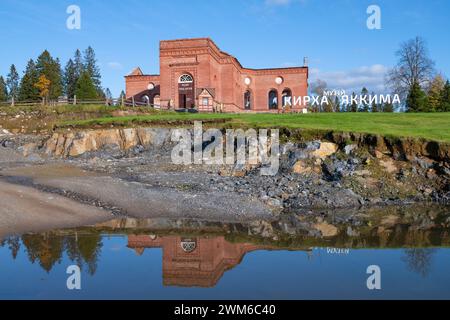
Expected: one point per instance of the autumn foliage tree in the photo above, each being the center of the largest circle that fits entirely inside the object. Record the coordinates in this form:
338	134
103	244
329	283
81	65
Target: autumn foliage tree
43	85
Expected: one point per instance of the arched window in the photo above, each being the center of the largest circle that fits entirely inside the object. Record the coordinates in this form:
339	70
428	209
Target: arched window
286	98
273	99
145	99
186	78
247	100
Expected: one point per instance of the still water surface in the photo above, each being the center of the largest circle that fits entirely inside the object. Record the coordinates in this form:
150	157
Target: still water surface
226	262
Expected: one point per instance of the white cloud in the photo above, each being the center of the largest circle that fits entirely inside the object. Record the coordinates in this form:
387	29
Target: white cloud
278	2
372	77
282	2
115	65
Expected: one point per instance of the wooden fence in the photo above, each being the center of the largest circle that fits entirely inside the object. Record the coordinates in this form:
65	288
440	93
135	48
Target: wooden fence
74	101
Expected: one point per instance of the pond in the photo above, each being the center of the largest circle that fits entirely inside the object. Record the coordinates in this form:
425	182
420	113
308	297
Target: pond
282	259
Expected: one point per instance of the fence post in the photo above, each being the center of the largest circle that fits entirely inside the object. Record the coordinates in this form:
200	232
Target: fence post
132	99
74	99
12	101
123	101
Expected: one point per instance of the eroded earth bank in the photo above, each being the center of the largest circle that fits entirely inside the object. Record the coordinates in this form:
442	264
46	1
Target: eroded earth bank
75	178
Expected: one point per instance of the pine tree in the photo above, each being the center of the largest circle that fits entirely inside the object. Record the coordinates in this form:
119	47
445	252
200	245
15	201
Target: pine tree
444	105
3	90
86	89
121	96
434	93
417	99
78	63
374	107
12	82
364	106
28	90
51	68
388	107
70	79
353	105
90	65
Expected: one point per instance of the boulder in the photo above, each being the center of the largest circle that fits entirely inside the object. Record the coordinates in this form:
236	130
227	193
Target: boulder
327	230
325	150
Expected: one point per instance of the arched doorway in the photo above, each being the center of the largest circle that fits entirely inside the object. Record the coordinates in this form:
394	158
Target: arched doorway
247	100
186	95
286	98
273	99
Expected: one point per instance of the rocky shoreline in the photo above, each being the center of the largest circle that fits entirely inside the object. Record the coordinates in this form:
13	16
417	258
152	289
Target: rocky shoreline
336	171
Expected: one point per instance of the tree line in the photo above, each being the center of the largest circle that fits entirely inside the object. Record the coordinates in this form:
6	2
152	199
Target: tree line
44	79
414	78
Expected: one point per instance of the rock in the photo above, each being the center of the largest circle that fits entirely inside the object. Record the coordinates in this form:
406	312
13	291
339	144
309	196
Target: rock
28	149
378	154
431	174
389	221
327	230
389	165
301	168
350	148
326	149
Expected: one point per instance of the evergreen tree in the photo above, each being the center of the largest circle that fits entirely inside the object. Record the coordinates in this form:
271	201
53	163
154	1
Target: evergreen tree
374	107
353	104
51	68
364	107
445	98
435	92
70	78
78	63
90	65
417	99
388	107
3	90
108	94
121	96
12	82
86	89
28	90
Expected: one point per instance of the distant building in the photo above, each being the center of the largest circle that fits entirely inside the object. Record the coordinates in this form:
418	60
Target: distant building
196	73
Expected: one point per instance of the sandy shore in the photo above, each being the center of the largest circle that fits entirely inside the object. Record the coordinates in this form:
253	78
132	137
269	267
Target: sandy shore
24	209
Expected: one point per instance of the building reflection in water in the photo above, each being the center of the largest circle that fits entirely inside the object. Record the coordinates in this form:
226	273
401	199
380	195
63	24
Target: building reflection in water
194	262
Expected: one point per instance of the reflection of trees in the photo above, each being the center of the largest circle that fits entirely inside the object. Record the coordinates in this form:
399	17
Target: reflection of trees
419	260
47	249
84	249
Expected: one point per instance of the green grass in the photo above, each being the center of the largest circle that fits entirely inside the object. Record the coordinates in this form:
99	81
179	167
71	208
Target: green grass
429	126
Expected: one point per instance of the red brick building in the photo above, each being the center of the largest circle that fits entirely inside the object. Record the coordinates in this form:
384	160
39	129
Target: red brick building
196	73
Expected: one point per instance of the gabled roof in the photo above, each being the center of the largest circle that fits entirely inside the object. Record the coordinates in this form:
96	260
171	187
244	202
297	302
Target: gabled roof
136	72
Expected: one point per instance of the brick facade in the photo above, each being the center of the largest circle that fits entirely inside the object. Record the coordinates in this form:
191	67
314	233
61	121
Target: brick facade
196	73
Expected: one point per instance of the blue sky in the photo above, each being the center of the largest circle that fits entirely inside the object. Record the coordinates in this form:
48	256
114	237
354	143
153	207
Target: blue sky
260	33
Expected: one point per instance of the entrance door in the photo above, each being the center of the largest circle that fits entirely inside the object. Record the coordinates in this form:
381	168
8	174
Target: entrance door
186	96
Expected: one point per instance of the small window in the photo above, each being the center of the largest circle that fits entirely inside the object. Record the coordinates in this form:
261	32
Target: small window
186	78
205	101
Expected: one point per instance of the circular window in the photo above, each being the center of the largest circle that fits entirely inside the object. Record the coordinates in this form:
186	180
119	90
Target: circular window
186	78
188	245
247	81
151	86
278	80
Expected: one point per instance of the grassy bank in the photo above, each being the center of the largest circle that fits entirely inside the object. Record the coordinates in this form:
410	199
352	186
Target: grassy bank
430	126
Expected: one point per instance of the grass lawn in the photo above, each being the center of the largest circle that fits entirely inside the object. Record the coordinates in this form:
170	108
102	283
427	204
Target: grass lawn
430	126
